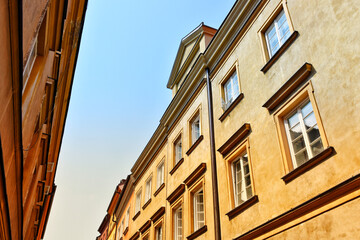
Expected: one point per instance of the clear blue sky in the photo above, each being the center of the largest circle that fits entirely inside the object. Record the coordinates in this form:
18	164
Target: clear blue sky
118	97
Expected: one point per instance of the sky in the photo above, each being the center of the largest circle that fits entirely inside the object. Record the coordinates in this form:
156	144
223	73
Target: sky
118	97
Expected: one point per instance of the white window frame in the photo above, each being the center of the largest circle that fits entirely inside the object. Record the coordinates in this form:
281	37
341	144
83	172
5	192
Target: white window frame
197	222
148	186
160	174
138	201
244	195
304	134
281	39
177	146
178	223
159	228
229	98
127	218
121	229
195	128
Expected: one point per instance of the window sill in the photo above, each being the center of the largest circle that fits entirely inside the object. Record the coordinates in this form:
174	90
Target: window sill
159	189
136	215
242	207
325	154
177	165
197	233
231	107
146	204
281	50
126	231
197	142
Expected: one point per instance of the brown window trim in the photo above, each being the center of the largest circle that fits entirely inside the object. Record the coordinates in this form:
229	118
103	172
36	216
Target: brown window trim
197	233
231	107
281	50
325	154
329	196
135	236
159	189
145	226
146	204
197	142
177	165
195	175
287	88
126	230
235	139
158	214
242	207
176	193
136	215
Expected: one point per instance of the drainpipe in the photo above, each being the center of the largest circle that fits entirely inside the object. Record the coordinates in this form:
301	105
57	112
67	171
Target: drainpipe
213	160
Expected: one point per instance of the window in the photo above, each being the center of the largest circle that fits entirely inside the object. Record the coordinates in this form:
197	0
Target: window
138	201
195	128
158	233
231	90
199	215
303	134
160	175
127	217
277	33
178	150
241	179
121	230
178	224
148	189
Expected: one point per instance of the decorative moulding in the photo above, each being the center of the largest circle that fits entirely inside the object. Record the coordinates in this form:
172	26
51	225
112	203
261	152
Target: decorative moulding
235	139
145	226
195	174
135	236
146	204
158	214
285	90
176	193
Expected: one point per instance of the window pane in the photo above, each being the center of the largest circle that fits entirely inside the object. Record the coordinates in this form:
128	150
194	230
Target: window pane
301	157
295	131
293	120
299	144
317	147
310	120
313	133
306	109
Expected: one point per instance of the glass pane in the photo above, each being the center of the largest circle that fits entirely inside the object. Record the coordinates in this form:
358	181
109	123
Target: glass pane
247	181
317	147
313	133
293	120
299	144
249	192
301	157
310	120
295	131
246	169
306	109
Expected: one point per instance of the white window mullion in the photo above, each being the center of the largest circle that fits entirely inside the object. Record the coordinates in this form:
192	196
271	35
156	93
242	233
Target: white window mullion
305	135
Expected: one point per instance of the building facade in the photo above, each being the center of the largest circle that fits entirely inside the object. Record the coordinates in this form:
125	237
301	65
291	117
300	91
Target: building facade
260	138
40	43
